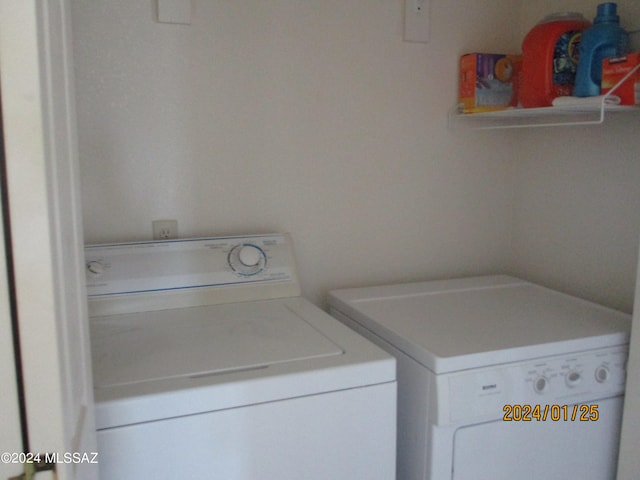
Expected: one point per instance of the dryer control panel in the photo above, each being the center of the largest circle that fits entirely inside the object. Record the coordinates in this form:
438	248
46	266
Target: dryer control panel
542	387
156	275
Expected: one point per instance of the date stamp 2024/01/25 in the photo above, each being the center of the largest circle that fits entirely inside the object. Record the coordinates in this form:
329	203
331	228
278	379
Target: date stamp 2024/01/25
554	413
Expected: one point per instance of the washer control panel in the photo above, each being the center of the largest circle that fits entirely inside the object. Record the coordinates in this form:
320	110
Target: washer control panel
256	266
559	380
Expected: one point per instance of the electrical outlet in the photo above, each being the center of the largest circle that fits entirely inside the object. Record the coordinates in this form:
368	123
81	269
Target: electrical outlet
165	229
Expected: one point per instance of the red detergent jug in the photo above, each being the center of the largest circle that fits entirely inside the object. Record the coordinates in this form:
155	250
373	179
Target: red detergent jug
550	58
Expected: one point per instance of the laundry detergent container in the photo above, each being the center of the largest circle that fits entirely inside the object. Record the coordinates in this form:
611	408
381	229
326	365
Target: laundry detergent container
606	38
550	58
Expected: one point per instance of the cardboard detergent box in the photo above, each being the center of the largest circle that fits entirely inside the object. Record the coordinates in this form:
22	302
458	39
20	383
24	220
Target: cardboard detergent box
614	69
489	81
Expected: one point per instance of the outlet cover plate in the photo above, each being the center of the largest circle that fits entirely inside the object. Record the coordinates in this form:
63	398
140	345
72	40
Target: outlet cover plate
165	229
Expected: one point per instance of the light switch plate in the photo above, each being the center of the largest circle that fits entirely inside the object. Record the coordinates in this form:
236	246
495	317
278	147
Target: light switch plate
174	11
416	20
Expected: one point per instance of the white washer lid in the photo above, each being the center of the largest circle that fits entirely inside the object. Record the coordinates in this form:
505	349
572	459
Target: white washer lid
453	325
170	363
200	341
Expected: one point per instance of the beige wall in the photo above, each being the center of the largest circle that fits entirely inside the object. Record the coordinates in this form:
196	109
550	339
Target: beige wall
308	117
315	118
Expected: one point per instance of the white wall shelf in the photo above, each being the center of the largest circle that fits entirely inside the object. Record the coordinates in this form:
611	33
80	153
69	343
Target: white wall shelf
583	111
537	117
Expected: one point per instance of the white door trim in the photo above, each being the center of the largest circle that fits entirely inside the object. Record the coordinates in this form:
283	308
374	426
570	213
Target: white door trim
40	143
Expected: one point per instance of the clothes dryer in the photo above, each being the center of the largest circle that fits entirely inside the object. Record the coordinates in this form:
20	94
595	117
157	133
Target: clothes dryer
498	378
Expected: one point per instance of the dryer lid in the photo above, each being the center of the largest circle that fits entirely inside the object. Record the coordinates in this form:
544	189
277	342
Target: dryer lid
453	325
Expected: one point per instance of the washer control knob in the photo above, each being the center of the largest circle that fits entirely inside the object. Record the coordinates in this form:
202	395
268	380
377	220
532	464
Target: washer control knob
95	268
249	255
572	378
602	374
247	259
541	384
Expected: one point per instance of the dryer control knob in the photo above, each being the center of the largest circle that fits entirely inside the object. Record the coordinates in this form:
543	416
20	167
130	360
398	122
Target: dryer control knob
540	384
249	255
572	378
95	268
602	374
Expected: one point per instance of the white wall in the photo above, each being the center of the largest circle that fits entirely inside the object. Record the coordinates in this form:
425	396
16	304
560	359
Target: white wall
577	191
576	222
315	118
308	117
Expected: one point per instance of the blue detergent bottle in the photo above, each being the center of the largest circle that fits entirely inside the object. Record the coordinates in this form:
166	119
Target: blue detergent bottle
606	38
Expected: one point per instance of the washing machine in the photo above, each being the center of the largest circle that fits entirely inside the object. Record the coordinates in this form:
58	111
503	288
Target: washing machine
498	378
208	364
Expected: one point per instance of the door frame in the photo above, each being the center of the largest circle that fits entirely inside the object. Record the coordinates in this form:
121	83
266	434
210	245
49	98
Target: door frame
38	111
11	439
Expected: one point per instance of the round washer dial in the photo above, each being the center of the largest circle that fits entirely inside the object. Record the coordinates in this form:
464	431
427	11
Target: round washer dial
247	259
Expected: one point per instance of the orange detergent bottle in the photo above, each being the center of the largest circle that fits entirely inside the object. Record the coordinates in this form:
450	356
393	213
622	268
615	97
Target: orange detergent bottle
550	58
